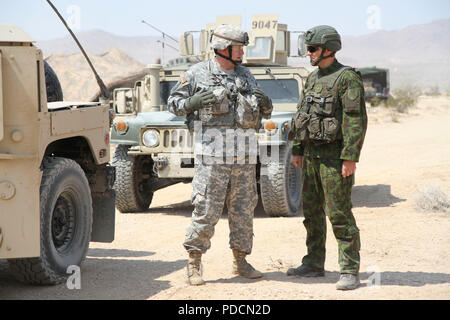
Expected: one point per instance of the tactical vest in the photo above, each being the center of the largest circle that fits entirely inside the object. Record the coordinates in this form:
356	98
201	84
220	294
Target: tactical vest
318	118
235	102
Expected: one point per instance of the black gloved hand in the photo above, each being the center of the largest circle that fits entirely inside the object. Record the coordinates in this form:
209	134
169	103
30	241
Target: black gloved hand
200	100
265	103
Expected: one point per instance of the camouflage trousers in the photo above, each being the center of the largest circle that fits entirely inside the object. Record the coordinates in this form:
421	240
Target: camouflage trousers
325	190
213	186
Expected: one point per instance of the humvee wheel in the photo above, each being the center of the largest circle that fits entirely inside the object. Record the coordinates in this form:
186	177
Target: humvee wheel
281	186
131	185
66	224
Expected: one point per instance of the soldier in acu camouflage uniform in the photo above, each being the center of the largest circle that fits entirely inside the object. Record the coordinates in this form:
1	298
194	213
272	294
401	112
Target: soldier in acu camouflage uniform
221	96
328	133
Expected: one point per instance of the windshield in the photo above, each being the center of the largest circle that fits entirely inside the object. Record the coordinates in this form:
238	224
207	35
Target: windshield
164	92
261	49
281	91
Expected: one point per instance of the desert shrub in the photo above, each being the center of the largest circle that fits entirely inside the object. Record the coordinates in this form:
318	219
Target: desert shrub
433	91
432	199
376	101
403	98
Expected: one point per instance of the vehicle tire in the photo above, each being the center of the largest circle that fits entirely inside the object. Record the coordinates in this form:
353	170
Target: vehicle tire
281	186
66	224
131	185
53	86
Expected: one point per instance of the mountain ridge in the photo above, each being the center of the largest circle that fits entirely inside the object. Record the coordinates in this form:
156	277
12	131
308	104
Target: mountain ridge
415	55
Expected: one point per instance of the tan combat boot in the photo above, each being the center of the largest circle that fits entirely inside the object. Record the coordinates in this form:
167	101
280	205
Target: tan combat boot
194	269
242	267
348	282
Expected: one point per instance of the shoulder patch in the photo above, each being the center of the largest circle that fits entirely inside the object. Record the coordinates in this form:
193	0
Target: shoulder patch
353	93
183	78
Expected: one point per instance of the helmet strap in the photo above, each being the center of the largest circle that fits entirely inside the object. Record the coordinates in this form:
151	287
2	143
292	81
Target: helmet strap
229	58
321	57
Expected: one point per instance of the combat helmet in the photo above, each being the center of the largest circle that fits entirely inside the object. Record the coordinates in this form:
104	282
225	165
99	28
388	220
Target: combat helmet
225	36
324	36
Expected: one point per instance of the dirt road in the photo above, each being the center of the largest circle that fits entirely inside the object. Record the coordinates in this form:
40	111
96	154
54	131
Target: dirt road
405	253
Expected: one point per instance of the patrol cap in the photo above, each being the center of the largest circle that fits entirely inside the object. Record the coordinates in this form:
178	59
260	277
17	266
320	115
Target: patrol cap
227	35
324	36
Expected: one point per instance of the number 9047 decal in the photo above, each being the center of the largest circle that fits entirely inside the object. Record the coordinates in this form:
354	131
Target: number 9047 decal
264	24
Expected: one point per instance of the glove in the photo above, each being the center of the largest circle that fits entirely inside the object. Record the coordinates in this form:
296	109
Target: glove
200	100
264	101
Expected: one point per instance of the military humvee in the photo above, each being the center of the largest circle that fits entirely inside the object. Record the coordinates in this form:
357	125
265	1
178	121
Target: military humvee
55	181
376	83
155	148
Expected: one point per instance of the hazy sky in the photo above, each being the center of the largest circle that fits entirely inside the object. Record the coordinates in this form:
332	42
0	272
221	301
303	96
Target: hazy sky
174	17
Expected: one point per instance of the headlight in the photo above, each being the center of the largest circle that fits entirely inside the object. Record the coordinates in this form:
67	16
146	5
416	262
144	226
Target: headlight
150	138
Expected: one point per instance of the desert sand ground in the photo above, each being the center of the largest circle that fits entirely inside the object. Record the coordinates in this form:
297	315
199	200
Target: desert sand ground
405	253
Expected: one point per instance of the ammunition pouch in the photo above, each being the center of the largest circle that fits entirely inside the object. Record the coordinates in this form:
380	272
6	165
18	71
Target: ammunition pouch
300	125
247	112
319	115
219	113
222	104
316	119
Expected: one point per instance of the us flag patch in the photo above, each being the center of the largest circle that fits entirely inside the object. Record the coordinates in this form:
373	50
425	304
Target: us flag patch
183	78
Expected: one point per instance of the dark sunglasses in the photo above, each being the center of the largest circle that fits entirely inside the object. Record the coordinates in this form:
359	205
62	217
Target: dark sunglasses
312	48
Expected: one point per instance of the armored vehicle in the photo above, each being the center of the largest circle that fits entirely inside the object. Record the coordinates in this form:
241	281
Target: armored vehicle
55	181
376	83
155	148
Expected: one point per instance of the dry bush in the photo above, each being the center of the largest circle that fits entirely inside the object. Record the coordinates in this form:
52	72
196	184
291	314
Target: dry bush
433	91
402	99
432	199
376	101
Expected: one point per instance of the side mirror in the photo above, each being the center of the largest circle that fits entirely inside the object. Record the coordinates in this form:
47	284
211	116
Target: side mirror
301	43
124	100
186	44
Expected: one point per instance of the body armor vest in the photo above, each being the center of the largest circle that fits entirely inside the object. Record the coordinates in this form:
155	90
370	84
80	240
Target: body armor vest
235	102
319	115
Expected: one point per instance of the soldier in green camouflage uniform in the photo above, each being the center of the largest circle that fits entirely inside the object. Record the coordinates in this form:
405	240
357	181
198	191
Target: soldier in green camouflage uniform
328	132
222	97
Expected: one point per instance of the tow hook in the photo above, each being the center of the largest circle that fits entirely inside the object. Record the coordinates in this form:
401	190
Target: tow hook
159	164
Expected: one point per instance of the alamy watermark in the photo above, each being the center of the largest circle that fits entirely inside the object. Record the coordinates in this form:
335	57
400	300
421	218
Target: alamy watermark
74	280
212	145
218	145
74	17
373	21
374	280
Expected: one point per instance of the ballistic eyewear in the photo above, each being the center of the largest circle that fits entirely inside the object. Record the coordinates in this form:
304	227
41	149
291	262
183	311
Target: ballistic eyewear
312	48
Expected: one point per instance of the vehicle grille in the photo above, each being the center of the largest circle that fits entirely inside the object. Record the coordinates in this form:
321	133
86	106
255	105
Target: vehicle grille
174	140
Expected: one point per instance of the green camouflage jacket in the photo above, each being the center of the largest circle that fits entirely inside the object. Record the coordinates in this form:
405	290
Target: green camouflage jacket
354	117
